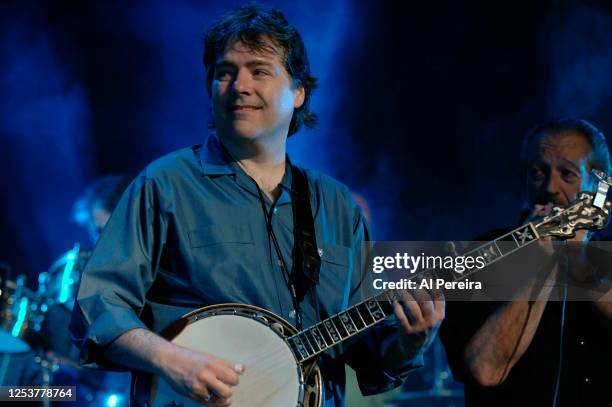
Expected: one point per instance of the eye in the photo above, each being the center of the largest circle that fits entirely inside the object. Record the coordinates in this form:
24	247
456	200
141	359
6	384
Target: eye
223	74
260	72
537	174
569	175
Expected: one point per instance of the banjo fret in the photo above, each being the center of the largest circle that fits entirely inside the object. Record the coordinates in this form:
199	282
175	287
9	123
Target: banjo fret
318	336
359	322
312	336
332	331
390	296
367	315
308	341
375	309
298	347
329	342
348	323
340	328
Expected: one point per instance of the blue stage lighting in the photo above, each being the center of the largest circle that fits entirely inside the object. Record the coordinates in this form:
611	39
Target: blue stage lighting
112	400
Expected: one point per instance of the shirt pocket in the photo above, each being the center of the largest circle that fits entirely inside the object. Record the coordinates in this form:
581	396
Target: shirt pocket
219	235
336	264
224	261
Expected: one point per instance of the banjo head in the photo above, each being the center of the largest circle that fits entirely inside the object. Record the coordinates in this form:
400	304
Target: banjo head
241	334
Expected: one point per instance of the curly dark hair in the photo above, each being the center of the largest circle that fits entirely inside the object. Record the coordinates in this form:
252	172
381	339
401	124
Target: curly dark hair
255	26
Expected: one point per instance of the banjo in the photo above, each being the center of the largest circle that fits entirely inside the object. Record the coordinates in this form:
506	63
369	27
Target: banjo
281	368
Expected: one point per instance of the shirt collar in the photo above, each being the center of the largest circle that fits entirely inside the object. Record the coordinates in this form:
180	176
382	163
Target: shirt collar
285	184
214	159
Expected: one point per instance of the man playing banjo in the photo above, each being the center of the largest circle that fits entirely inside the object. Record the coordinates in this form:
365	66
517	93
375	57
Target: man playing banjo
216	223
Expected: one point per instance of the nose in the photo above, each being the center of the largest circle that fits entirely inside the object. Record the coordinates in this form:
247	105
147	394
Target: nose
242	83
553	186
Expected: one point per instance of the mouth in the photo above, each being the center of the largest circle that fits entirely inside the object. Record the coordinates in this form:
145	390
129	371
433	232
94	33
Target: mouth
244	108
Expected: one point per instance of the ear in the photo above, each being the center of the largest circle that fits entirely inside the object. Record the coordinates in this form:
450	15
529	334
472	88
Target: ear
298	97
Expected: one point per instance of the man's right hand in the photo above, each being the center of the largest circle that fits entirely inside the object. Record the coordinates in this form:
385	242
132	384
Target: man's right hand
200	376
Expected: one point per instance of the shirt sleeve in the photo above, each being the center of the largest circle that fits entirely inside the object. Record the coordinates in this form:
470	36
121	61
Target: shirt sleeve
113	286
365	355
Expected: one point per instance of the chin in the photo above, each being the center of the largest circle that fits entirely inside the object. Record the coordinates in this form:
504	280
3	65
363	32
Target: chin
245	132
244	135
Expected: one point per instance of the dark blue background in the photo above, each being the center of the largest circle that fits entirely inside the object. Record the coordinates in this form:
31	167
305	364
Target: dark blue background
422	107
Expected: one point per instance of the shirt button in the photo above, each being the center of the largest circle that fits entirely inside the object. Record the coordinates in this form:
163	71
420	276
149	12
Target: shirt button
587	380
275	211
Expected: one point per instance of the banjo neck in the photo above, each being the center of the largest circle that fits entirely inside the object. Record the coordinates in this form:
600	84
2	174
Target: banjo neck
329	332
588	212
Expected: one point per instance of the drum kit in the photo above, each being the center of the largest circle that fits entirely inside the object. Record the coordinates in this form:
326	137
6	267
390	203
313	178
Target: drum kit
35	344
23	311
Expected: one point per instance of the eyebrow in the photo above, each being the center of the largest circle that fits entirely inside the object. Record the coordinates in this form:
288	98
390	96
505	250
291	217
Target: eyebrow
250	64
564	161
575	165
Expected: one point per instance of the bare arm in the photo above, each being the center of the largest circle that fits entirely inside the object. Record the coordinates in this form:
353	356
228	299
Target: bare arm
503	339
194	374
138	349
505	336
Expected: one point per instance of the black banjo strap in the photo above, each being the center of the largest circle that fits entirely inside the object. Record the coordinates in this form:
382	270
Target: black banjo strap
306	258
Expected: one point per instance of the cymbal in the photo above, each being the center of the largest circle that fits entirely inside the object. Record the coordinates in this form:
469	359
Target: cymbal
10	344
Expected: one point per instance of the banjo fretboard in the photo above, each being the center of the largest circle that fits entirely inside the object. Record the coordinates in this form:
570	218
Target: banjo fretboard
356	319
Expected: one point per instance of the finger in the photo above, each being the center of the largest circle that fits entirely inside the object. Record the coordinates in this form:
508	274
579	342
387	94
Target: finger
406	295
425	303
541	210
225	363
421	295
427	310
582	236
412	308
437	295
238	368
202	394
220	389
402	318
439	309
227	375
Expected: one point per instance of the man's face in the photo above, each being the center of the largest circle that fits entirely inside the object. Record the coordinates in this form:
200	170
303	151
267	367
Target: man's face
253	94
558	169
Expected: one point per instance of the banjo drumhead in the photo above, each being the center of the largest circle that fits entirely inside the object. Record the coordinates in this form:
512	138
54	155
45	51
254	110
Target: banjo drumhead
271	376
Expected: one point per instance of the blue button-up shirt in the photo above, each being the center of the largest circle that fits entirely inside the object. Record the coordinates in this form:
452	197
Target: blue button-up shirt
190	231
